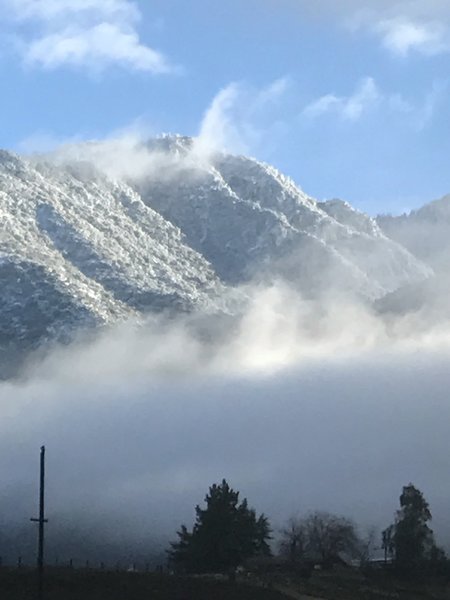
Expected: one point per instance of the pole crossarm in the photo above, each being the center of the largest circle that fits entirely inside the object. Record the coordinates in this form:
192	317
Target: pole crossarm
39	520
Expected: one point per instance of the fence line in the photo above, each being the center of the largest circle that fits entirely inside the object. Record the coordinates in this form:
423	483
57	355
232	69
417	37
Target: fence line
86	565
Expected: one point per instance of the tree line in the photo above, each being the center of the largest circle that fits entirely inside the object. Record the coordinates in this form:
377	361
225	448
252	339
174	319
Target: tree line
228	533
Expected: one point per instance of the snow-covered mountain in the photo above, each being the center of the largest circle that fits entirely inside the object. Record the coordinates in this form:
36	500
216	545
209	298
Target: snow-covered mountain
83	245
425	232
251	221
79	249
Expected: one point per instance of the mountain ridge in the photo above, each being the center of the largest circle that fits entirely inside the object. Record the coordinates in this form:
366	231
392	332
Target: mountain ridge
82	246
424	232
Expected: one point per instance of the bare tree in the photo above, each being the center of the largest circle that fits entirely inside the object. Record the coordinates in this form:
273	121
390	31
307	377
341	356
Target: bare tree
320	536
293	540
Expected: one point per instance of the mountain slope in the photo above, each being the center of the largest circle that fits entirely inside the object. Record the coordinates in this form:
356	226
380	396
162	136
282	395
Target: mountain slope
79	250
82	246
246	218
425	232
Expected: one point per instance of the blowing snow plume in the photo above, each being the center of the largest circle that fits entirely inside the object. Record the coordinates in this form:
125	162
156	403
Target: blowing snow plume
181	321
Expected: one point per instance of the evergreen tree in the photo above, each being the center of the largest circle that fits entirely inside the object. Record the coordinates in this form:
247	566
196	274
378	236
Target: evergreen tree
410	538
413	538
224	535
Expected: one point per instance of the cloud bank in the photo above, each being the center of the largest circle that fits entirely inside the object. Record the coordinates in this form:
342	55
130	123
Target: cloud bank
301	406
92	34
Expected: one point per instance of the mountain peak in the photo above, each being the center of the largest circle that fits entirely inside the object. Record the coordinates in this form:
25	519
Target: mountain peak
82	245
168	142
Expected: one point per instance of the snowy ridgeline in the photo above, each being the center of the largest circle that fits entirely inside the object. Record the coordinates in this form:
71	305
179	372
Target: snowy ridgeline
83	243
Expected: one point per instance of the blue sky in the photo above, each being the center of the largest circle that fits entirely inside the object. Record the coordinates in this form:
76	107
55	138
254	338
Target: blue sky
349	97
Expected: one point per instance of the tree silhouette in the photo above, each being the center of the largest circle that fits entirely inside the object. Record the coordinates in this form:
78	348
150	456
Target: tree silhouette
224	535
387	541
293	540
410	539
329	535
319	536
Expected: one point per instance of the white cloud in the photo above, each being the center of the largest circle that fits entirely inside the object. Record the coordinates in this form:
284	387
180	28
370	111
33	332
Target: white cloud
402	37
43	142
420	114
403	26
101	46
350	108
368	96
407	26
92	34
240	118
217	130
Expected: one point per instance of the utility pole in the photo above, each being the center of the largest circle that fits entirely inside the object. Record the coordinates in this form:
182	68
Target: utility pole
41	520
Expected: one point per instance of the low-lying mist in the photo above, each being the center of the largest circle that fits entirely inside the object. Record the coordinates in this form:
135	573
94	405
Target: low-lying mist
301	405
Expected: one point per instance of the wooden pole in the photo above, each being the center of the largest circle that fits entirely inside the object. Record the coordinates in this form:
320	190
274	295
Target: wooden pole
41	521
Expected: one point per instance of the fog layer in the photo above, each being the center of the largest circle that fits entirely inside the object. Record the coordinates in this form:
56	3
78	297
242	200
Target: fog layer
300	406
